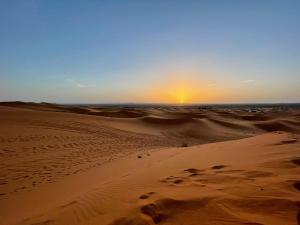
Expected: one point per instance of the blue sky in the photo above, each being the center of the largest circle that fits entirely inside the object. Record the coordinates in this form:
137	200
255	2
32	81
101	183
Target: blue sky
150	51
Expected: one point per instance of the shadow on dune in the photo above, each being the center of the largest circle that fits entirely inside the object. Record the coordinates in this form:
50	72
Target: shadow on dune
212	210
277	125
167	121
122	113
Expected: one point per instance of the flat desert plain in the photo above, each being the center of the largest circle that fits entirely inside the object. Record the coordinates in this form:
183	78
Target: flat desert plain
117	165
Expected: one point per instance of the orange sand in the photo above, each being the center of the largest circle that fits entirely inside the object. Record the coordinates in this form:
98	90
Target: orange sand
63	165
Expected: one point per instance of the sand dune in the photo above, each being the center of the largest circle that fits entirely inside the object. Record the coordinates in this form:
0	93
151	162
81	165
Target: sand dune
278	125
128	166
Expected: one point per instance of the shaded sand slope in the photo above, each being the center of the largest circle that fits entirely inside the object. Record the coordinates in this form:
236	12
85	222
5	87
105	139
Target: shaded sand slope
251	181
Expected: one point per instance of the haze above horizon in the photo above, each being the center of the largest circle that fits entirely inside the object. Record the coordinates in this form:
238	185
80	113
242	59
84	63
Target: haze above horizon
150	51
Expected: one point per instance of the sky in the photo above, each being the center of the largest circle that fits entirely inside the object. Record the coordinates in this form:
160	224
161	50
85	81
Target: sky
213	51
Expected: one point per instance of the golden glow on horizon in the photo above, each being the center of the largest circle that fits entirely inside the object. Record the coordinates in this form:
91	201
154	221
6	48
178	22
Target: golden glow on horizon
183	88
177	92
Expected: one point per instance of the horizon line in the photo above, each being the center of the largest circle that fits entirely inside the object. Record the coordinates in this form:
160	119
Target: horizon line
153	103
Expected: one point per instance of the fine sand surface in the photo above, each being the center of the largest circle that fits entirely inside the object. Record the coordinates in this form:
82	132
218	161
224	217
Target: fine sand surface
90	165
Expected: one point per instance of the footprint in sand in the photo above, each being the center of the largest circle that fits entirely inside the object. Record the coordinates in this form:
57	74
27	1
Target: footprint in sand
177	181
145	196
296	161
218	167
297	185
193	172
153	212
171	180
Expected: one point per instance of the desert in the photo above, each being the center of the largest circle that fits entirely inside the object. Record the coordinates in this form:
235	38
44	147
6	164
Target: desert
149	112
63	164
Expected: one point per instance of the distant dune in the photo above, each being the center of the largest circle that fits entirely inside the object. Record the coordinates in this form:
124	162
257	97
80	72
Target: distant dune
123	165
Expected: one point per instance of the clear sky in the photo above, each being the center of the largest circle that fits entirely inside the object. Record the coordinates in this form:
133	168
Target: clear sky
160	51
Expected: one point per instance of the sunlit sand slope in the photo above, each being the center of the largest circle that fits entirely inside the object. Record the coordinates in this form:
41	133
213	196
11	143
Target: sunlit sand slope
248	181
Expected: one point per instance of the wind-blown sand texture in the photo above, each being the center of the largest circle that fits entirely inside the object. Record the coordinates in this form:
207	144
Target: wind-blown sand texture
129	165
